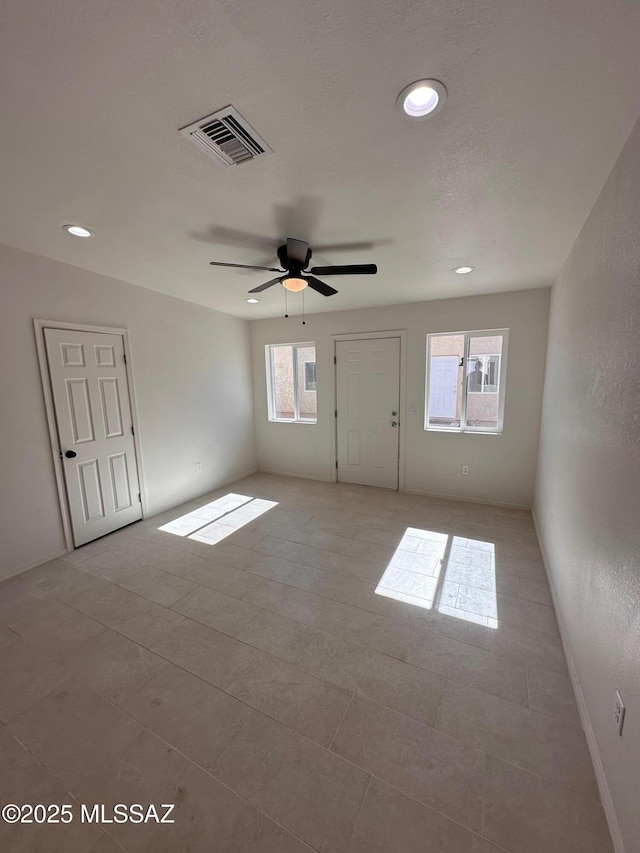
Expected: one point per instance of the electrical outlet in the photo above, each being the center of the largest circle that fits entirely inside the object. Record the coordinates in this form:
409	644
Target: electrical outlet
198	466
465	470
618	713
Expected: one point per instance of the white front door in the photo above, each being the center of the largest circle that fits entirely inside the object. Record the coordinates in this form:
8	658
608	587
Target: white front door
368	401
443	386
95	430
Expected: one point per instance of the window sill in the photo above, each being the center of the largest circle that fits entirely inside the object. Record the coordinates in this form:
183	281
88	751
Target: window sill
464	431
291	421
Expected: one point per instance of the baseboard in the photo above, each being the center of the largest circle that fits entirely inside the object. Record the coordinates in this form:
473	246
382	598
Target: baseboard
235	479
13	572
464	499
601	779
294	474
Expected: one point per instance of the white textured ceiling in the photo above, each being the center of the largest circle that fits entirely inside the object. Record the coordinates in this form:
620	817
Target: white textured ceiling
542	95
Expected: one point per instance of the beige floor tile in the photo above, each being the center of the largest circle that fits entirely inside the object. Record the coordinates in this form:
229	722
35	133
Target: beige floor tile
209	654
216	610
470	664
551	693
112	664
289	640
418	760
149	627
527	646
523	816
307	789
56	629
389	681
188	713
19	598
101	600
527	614
284	571
355	567
286	600
284	549
34	785
76	734
157	585
207	815
309	705
535	591
26	675
7	637
546	746
391	822
299	586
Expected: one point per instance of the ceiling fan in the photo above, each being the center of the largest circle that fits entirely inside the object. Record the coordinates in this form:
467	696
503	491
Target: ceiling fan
294	257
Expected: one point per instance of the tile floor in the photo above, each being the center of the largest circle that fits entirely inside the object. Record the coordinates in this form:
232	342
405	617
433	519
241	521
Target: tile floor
298	666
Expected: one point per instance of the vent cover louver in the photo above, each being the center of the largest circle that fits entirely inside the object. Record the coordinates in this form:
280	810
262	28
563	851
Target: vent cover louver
227	138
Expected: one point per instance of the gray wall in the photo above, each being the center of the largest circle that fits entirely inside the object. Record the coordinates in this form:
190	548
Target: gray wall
502	467
192	378
587	502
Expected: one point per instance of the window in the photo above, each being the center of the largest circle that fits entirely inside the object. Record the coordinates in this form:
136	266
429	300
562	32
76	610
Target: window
466	374
309	376
291	382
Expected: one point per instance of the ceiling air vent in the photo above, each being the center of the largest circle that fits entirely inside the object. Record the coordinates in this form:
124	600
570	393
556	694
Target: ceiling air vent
227	138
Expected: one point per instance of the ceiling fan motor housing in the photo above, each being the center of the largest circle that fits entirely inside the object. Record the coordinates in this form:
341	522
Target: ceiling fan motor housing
292	265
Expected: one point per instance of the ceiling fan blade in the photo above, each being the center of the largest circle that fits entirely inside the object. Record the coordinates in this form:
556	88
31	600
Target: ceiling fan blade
267	284
350	269
345	247
243	266
297	250
320	286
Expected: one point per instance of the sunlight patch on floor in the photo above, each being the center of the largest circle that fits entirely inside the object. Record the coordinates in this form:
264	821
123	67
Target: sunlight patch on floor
217	519
450	574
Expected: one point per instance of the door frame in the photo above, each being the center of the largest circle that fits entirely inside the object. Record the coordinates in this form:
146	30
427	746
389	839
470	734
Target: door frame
365	336
39	327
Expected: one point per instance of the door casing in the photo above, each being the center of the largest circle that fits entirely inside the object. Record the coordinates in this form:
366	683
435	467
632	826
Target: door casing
39	327
359	336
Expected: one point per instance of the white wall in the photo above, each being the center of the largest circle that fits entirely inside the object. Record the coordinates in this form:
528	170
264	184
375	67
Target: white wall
192	379
587	502
502	467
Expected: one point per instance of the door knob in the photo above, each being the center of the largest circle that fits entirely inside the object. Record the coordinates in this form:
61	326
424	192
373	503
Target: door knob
70	454
394	423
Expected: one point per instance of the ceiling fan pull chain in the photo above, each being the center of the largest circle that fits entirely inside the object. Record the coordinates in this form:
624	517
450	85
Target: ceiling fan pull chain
286	310
304	322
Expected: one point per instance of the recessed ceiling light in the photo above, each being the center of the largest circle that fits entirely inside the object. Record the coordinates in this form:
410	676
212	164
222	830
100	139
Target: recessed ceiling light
252	301
463	270
78	230
422	98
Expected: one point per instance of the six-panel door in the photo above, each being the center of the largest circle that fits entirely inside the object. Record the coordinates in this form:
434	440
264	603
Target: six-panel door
93	416
368	403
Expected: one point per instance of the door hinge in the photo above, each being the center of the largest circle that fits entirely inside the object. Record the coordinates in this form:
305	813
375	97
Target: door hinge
336	413
336	463
124	355
132	431
139	497
335	359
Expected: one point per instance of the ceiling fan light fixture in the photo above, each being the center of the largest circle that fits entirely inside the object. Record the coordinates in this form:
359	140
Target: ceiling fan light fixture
252	301
463	270
78	231
294	283
422	99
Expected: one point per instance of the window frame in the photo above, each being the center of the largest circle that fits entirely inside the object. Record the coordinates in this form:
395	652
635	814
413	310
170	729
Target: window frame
315	377
271	384
494	386
502	377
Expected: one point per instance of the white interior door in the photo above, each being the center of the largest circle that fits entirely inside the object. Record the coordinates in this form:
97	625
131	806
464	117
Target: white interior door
443	386
95	430
368	401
